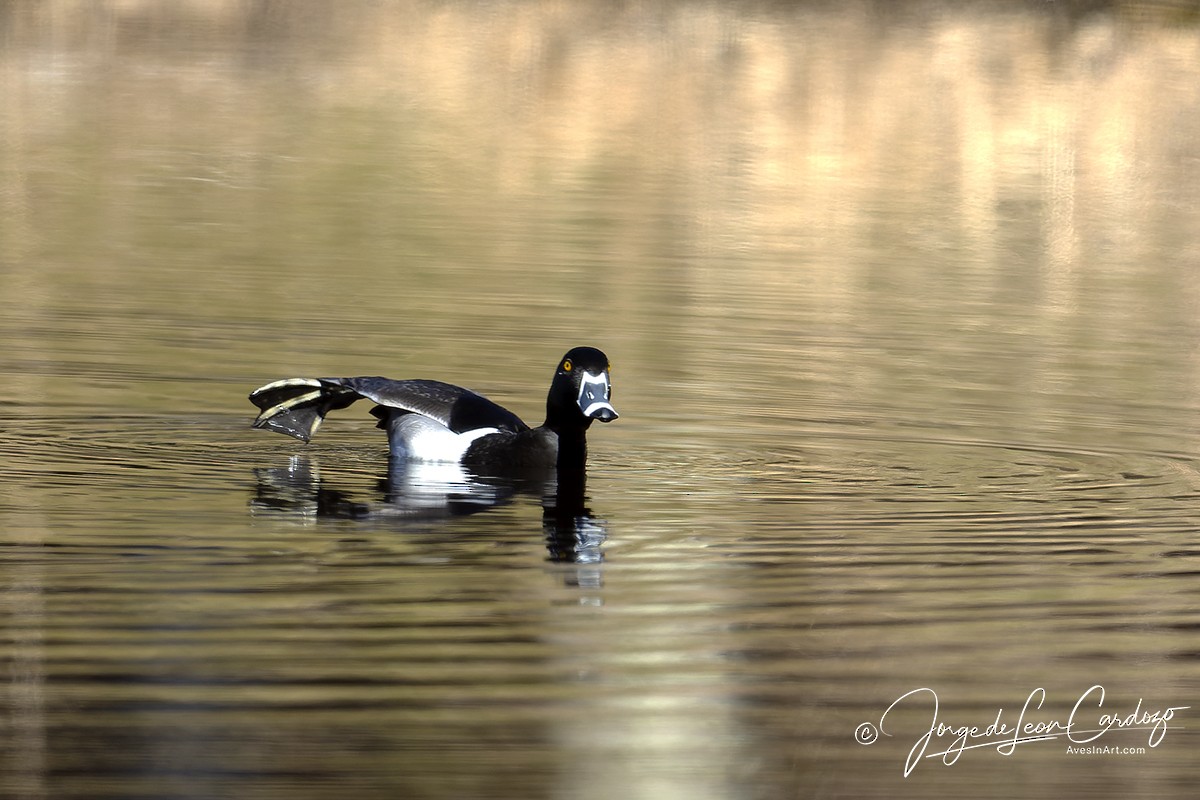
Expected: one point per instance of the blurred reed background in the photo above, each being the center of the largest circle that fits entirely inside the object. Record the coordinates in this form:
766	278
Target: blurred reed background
846	165
902	300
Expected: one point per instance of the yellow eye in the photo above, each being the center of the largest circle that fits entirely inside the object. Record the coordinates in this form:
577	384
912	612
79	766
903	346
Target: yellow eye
567	365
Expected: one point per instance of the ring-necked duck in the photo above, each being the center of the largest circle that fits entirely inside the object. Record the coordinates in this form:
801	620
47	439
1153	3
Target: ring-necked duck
434	421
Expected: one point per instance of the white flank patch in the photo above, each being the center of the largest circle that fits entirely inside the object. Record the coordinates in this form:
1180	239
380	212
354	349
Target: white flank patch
425	439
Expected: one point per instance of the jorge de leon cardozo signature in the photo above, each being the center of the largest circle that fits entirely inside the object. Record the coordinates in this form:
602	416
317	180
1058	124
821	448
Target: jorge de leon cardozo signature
1082	726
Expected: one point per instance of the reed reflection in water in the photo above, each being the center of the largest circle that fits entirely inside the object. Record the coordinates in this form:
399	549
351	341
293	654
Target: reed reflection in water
901	302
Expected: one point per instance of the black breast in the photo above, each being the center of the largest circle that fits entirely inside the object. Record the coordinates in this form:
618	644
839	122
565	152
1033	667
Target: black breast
506	452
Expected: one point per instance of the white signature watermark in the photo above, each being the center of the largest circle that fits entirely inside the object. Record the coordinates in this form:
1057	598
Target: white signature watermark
1083	725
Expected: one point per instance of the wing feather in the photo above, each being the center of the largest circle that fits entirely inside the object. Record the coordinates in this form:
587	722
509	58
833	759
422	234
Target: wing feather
459	409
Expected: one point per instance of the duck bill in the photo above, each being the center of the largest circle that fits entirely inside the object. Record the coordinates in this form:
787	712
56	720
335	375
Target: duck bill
593	397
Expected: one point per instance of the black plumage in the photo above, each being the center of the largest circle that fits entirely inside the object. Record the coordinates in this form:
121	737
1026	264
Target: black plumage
429	420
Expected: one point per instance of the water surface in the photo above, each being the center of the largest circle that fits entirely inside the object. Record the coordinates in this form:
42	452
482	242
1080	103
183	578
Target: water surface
901	302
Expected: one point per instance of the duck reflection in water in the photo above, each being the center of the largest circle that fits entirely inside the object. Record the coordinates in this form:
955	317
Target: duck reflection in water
415	493
443	440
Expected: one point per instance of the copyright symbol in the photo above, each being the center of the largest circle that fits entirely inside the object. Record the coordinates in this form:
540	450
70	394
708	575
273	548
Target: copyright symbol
866	733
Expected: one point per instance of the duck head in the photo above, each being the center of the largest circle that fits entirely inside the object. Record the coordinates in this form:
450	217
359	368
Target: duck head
580	391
